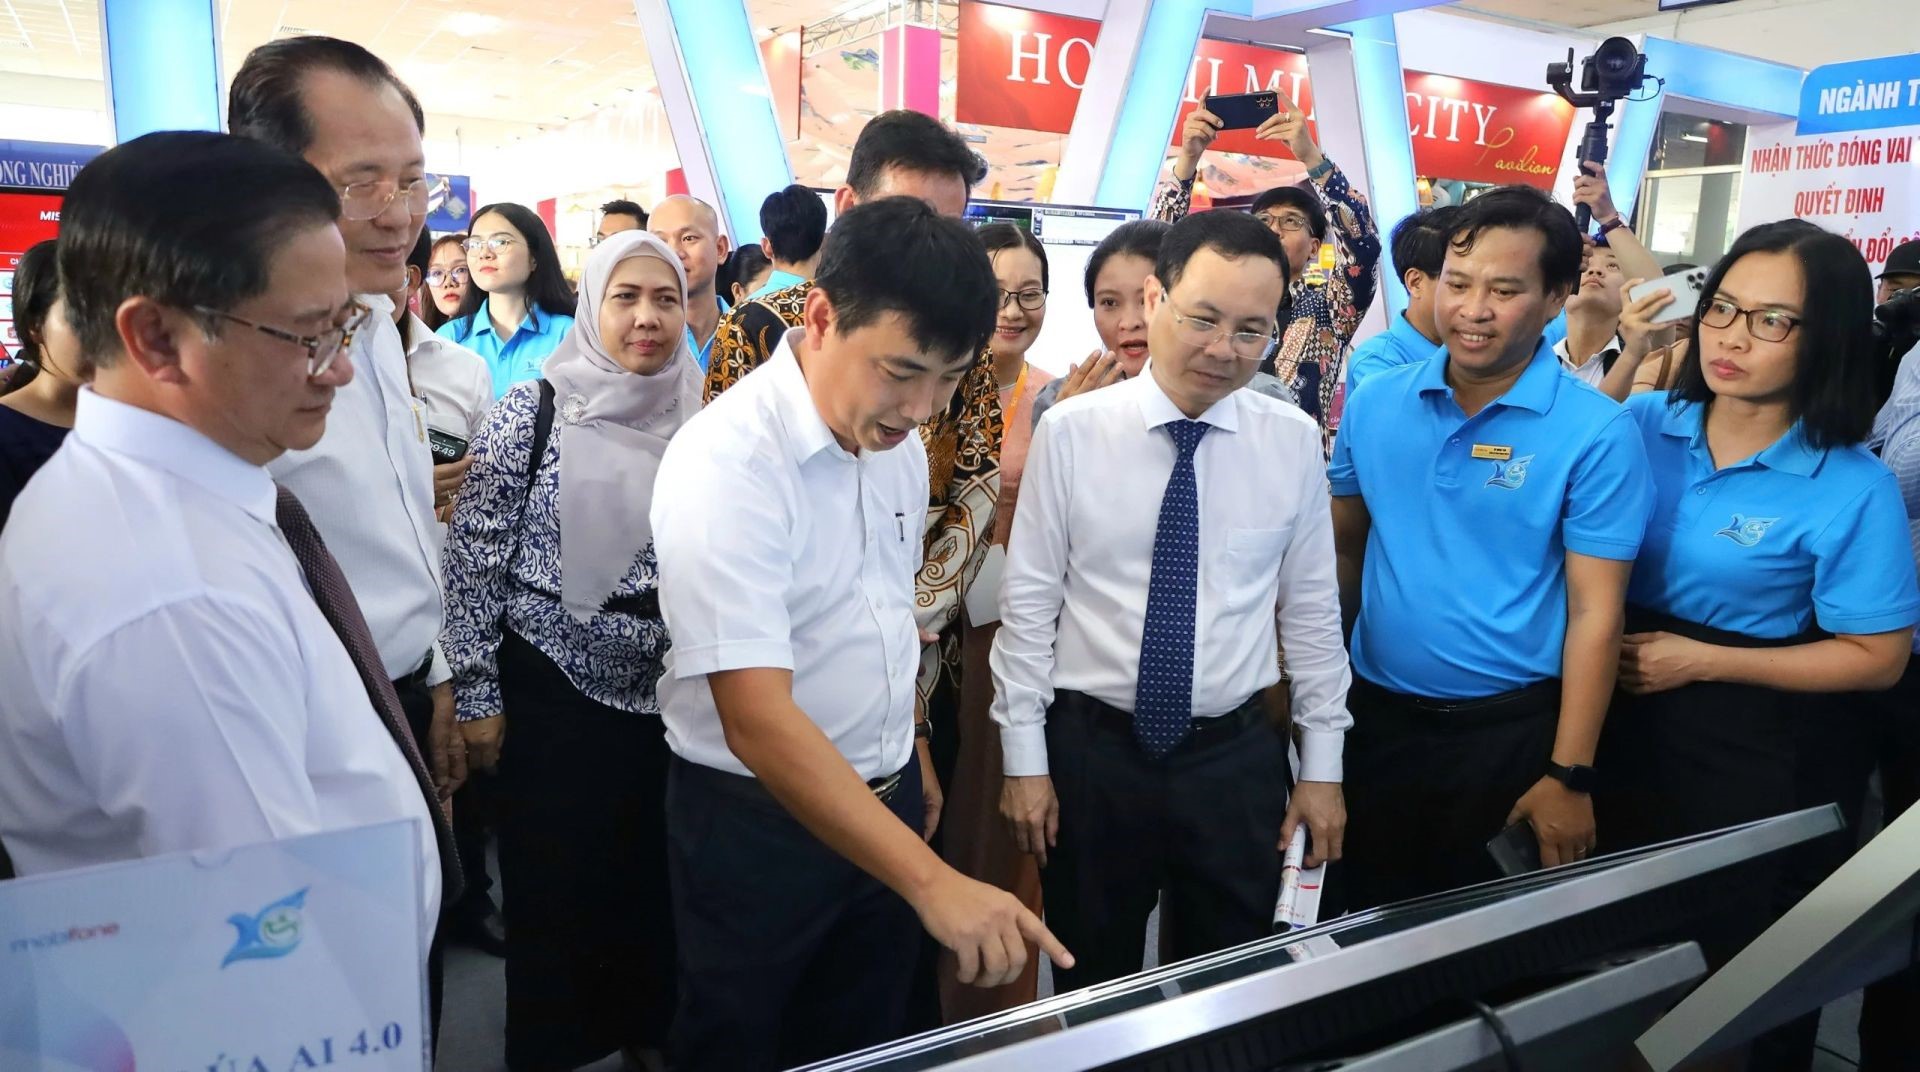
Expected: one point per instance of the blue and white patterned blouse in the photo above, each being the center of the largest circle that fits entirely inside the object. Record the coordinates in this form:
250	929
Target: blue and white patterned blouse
497	561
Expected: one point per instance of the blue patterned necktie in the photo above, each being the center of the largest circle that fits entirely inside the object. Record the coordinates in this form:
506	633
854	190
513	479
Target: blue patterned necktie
1163	700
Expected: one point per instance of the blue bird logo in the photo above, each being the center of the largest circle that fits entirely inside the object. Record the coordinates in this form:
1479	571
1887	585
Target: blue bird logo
273	932
1510	475
1746	531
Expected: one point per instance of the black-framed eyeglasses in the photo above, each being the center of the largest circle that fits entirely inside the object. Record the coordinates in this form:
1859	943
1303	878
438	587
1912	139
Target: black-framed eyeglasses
1246	345
1767	325
440	277
1031	299
322	349
365	200
1284	222
498	243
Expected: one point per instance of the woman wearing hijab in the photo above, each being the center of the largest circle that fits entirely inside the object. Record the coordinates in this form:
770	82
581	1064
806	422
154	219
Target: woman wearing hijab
553	622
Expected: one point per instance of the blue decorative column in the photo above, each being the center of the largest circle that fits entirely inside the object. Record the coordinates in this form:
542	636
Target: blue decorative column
163	65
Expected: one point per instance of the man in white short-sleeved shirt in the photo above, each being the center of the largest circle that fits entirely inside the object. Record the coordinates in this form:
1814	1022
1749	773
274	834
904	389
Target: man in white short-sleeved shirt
1171	530
170	683
787	520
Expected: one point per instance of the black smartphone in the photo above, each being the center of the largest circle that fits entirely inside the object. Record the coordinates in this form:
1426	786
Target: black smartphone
1515	850
1244	111
447	448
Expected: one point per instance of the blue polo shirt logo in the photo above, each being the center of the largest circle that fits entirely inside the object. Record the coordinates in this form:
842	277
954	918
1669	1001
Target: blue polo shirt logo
1746	531
1510	475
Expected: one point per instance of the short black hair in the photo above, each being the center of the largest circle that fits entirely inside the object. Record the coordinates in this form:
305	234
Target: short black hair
998	236
897	255
187	218
36	286
1525	208
267	99
1234	235
1295	197
547	286
745	262
620	206
1138	238
1677	267
1834	393
794	221
1420	241
913	141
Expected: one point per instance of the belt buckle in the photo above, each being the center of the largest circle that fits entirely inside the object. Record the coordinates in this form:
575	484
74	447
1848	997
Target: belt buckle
883	787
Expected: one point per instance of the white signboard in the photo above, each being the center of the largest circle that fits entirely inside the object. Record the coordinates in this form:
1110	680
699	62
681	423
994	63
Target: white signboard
300	954
1861	184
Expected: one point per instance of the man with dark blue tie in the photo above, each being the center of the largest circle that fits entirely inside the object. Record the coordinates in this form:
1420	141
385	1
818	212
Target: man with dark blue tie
1167	525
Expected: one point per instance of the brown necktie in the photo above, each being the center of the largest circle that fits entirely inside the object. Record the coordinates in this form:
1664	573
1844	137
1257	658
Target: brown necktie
342	611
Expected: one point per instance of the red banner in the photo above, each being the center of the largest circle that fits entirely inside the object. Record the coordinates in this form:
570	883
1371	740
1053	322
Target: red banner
1485	133
1025	69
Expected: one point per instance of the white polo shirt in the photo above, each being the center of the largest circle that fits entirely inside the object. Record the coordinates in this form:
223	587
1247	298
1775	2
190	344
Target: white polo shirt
1593	370
779	549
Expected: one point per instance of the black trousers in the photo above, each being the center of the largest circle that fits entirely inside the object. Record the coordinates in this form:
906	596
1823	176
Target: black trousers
788	952
1429	783
416	703
582	870
1890	1014
1197	831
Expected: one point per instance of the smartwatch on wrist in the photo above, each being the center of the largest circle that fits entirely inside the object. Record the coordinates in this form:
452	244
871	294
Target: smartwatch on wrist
1574	776
1322	169
1613	224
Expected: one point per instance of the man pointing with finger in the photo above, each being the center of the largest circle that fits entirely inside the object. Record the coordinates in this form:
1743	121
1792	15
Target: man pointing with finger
1174	519
786	517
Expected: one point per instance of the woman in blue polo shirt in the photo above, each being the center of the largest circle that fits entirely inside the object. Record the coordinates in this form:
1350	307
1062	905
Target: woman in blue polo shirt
520	305
1777	569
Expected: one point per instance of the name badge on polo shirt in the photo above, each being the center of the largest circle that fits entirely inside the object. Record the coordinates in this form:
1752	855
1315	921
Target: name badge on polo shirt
1492	453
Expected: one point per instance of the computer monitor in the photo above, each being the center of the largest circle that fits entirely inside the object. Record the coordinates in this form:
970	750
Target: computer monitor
1384	975
1856	928
1579	1025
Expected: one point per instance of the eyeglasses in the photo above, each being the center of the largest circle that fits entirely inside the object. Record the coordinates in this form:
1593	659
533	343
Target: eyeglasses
440	277
1767	325
1285	223
1030	300
498	243
322	349
1247	345
365	200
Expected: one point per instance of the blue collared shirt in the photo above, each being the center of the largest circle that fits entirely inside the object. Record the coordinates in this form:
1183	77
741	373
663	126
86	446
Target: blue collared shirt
1769	547
779	280
1400	344
702	353
1464	592
517	358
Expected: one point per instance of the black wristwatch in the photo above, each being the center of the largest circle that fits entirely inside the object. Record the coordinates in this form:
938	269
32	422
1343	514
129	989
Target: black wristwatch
1575	777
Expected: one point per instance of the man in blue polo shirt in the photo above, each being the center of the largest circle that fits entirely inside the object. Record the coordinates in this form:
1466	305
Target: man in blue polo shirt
1487	510
1419	249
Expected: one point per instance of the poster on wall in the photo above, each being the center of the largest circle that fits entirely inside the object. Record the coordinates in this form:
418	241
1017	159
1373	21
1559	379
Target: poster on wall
25	220
1026	69
449	203
307	953
1849	163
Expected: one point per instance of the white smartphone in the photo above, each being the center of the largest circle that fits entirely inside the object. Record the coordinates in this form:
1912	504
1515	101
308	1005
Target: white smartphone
1686	287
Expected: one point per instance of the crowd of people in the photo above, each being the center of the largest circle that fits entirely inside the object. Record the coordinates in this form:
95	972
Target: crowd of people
852	662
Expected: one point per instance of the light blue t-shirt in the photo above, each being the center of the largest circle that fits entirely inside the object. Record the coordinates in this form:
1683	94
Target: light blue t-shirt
1400	344
517	358
779	280
1464	593
1793	537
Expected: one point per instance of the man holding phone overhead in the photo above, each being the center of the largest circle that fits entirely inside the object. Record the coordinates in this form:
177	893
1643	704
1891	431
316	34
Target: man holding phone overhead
1322	313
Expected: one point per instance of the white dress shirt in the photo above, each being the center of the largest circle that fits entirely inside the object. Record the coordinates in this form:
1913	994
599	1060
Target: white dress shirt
1074	602
452	380
170	683
369	485
1594	369
779	549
